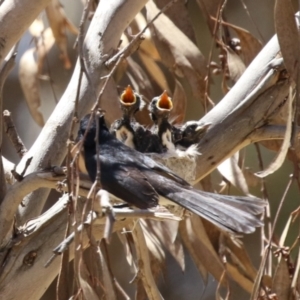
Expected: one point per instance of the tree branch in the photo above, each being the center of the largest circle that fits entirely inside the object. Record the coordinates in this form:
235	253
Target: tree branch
14	22
109	22
255	96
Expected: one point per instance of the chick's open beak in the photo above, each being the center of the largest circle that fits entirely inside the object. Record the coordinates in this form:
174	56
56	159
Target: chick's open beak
164	102
128	97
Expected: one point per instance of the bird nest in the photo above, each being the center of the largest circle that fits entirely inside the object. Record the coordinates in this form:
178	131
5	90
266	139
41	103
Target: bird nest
181	162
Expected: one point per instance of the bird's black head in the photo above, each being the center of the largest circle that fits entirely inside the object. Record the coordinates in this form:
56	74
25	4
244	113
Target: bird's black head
88	129
130	102
192	129
160	107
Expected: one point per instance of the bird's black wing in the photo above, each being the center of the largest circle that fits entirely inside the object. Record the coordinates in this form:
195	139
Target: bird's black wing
128	156
164	171
128	183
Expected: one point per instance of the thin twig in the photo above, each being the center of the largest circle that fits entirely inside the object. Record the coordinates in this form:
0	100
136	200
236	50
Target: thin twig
252	21
207	78
51	81
267	214
137	40
10	130
8	66
269	245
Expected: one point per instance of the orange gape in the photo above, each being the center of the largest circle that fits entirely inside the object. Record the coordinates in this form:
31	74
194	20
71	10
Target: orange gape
165	101
128	97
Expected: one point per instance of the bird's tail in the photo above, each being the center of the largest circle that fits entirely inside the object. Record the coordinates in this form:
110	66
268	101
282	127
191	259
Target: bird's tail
231	213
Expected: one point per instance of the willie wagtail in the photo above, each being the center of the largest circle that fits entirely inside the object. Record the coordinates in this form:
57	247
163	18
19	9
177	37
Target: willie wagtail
160	109
191	133
128	130
140	181
122	129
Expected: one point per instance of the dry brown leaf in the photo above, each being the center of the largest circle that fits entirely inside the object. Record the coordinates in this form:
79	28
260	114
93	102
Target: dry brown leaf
296	277
205	250
236	66
251	179
288	35
85	282
210	9
179	15
179	54
28	74
59	24
147	46
155	71
285	232
110	102
141	82
166	231
281	155
240	258
106	278
250	45
127	249
93	259
191	248
153	243
179	104
233	173
243	281
259	276
281	284
45	43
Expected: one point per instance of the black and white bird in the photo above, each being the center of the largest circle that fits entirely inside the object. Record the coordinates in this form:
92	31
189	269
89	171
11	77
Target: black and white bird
160	109
190	134
123	129
128	130
138	180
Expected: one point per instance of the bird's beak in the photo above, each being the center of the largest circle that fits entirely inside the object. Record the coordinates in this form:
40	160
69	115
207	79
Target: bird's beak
128	97
164	102
202	127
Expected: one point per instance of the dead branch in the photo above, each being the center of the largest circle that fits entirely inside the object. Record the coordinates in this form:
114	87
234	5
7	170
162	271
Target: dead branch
11	131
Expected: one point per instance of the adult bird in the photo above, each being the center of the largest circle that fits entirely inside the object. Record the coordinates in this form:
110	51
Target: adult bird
135	178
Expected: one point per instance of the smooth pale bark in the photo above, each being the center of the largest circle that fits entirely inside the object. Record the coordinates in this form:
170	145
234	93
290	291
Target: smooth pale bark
102	38
15	18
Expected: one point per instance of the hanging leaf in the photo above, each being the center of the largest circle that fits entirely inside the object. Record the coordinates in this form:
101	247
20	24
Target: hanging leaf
85	282
210	9
250	45
281	280
179	54
28	74
179	15
166	232
236	67
280	157
232	172
179	104
59	24
288	35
